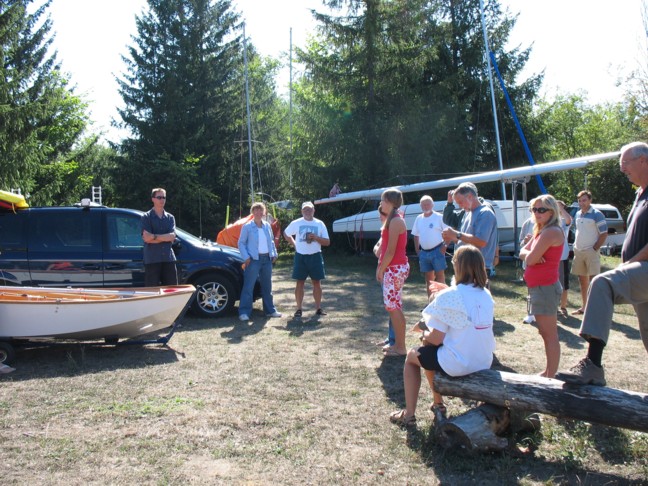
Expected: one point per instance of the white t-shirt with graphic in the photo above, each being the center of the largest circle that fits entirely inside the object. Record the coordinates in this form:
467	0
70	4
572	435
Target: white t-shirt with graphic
299	228
465	314
428	229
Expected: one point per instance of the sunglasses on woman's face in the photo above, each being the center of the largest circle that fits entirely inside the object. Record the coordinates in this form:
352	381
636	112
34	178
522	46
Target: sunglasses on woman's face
540	210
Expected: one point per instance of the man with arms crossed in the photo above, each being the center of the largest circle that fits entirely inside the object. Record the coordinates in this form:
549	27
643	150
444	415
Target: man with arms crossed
307	235
626	284
591	233
158	233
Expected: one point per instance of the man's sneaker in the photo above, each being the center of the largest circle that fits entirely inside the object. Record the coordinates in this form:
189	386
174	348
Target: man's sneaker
244	317
584	373
530	319
275	314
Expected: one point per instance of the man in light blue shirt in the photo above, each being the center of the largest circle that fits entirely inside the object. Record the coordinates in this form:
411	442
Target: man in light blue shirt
478	227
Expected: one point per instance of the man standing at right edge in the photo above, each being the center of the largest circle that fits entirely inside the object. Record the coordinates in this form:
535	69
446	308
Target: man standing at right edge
626	284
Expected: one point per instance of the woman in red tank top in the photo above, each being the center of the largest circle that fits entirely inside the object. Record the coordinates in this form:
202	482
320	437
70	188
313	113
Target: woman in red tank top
542	257
393	267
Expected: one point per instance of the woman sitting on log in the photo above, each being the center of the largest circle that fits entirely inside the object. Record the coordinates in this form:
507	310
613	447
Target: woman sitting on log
459	339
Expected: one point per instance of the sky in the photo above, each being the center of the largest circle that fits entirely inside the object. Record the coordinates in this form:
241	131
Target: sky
580	44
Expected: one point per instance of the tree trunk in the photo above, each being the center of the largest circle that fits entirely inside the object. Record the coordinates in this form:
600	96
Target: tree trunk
607	406
476	430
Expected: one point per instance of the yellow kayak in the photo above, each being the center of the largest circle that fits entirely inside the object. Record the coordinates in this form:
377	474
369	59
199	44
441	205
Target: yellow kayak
10	200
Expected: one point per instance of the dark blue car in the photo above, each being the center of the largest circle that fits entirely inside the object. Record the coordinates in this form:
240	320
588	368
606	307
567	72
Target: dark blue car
97	246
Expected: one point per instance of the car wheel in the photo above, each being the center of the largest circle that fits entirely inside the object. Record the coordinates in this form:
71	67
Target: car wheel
7	353
214	296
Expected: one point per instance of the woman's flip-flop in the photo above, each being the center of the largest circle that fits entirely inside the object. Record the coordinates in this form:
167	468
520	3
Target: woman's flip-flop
391	352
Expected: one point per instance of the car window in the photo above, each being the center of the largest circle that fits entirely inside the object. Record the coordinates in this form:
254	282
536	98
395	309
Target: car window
12	231
65	231
124	232
610	214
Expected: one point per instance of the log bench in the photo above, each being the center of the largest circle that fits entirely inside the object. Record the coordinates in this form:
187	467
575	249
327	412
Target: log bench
511	397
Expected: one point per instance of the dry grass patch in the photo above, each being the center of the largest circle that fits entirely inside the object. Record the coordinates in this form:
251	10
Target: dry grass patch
285	402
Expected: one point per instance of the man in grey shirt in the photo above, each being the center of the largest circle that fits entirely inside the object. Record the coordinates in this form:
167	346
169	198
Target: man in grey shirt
478	226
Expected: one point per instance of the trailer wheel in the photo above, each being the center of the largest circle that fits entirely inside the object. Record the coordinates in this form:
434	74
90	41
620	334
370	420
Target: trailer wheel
7	353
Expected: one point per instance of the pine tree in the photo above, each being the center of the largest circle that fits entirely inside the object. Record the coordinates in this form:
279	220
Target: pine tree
182	106
40	117
400	88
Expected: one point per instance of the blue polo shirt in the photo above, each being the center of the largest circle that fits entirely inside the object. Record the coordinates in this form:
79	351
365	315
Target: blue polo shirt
482	223
158	252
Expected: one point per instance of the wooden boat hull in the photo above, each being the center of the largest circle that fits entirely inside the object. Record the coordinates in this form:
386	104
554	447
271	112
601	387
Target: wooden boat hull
89	314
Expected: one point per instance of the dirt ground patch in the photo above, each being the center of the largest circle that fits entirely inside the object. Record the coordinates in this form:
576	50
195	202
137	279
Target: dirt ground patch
279	401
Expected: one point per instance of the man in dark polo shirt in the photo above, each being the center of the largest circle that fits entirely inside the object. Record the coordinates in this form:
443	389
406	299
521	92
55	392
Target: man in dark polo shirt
158	233
626	284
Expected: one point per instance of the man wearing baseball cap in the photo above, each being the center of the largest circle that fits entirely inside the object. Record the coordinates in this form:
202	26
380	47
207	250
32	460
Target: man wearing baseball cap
307	235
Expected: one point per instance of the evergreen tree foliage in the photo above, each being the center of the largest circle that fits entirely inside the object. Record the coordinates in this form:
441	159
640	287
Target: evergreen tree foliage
40	117
397	91
182	96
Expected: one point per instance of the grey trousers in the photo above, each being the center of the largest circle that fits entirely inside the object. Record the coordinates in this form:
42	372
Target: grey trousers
626	284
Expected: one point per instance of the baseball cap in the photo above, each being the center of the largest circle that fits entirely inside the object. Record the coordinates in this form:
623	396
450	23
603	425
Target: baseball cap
308	204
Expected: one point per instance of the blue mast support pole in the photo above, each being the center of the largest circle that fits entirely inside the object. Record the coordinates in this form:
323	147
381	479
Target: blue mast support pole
515	119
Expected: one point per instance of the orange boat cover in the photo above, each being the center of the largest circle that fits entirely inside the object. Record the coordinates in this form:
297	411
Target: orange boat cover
230	235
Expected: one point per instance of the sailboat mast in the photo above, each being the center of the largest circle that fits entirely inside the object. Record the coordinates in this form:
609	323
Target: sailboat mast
247	108
490	79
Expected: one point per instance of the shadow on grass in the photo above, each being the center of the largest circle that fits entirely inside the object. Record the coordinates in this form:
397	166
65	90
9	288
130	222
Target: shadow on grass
390	373
611	443
501	327
242	330
56	359
296	327
630	332
517	464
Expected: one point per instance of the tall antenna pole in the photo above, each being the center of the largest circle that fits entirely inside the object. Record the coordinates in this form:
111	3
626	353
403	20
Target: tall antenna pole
490	79
247	107
290	112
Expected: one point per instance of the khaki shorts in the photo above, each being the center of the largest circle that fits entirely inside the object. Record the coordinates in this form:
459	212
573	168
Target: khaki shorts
586	262
544	300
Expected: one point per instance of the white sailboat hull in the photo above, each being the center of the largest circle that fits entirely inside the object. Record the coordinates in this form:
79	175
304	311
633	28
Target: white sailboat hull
368	224
89	314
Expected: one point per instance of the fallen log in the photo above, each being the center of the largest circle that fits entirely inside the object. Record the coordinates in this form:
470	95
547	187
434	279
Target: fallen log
603	405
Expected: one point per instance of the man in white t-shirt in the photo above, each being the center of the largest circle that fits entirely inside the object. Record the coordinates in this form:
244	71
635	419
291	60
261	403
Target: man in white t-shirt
307	235
591	233
428	243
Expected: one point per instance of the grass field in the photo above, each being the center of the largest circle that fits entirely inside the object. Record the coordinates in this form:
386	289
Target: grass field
284	402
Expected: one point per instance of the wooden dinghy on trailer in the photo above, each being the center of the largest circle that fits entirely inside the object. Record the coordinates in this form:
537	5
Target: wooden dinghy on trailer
42	313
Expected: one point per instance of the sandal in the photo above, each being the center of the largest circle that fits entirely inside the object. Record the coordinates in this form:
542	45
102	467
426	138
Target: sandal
297	314
400	418
320	312
563	311
390	352
578	312
440	411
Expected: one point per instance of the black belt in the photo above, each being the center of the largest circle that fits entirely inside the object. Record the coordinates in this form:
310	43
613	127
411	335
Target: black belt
432	249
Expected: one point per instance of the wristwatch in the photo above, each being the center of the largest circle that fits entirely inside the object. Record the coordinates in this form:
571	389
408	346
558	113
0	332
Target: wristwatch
459	235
